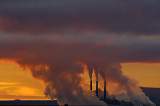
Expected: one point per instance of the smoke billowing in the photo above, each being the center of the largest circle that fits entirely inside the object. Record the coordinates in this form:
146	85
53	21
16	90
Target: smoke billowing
56	38
112	72
90	68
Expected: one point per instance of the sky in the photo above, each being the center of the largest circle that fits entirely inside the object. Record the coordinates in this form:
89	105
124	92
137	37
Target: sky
55	40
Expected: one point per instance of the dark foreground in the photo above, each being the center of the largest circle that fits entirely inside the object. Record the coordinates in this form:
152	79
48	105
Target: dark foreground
152	93
30	102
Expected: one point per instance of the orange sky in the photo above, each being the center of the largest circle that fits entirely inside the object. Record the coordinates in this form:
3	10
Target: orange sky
15	83
148	74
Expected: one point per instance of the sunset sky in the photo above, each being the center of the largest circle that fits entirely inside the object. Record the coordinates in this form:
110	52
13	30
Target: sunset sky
44	46
19	84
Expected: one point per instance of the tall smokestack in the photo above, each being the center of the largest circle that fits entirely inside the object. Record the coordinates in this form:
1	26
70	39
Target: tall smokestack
97	88
91	84
104	89
90	69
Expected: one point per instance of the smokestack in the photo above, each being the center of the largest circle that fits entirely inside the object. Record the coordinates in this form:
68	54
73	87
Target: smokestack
91	84
97	88
104	89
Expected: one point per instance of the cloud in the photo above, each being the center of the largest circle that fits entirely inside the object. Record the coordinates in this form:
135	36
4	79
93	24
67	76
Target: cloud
125	17
57	63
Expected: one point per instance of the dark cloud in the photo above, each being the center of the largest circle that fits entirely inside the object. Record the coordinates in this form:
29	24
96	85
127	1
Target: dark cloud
131	17
127	52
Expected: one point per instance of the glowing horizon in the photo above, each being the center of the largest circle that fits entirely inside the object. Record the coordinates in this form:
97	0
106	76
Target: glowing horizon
29	91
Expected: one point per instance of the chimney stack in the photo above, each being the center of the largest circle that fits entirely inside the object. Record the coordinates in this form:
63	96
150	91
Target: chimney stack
91	84
104	89
97	88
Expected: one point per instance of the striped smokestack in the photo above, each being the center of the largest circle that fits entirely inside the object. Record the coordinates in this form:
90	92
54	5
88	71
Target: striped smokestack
91	84
105	89
97	88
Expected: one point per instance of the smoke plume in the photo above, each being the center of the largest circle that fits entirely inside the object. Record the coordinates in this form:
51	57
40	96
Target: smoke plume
96	71
112	72
90	69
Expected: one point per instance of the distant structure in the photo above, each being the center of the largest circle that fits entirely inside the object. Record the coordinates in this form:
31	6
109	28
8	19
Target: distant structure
91	84
104	89
110	101
97	88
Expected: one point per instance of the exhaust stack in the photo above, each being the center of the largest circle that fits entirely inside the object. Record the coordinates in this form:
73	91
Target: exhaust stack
91	84
97	88
105	89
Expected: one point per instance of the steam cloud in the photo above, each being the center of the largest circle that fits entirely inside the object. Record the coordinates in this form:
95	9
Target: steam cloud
55	38
90	68
61	71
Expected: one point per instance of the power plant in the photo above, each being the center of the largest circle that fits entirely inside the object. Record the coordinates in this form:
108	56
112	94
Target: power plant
98	92
106	98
